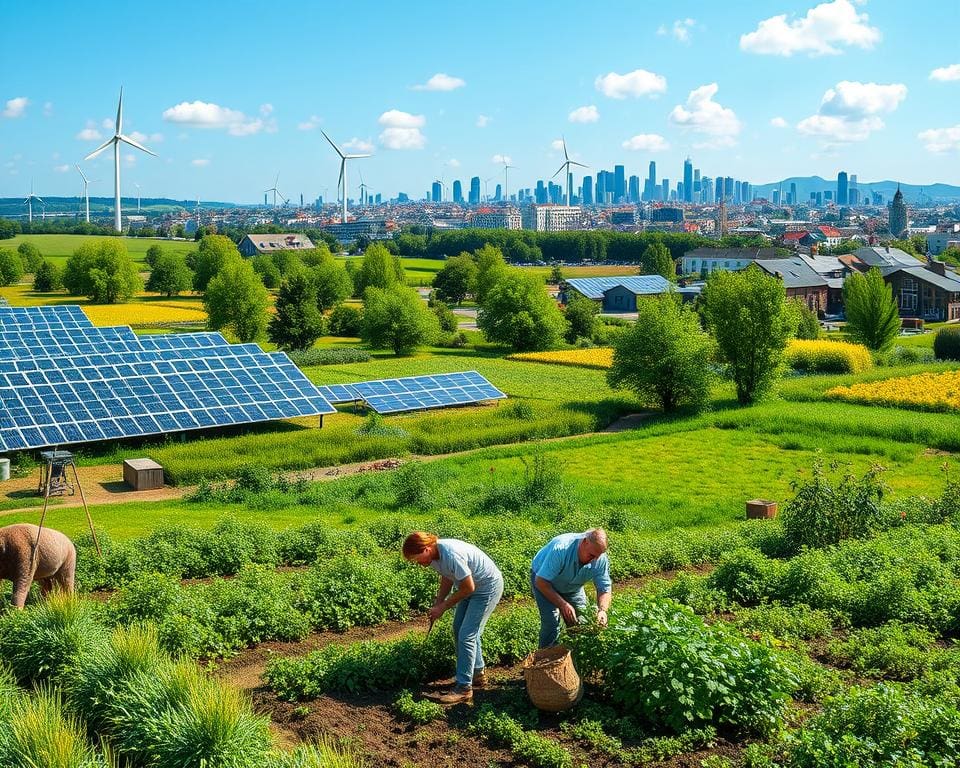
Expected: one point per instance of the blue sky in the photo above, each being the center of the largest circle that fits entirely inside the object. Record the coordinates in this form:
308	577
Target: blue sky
229	95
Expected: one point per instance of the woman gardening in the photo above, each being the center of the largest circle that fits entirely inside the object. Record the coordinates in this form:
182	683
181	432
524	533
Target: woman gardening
479	586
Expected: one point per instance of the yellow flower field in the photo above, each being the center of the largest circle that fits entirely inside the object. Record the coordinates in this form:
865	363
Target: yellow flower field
138	313
925	391
821	356
599	357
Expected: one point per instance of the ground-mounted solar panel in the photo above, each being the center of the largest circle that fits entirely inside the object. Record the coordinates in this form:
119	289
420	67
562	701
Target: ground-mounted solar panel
30	343
52	316
413	393
203	340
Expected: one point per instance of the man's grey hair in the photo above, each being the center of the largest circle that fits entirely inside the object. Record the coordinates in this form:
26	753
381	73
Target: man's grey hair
598	536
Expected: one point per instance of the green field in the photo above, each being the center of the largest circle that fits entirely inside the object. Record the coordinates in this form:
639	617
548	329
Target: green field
58	248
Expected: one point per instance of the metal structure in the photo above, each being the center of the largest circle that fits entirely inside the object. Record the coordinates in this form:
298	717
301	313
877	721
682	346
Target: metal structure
413	393
54	481
567	162
342	182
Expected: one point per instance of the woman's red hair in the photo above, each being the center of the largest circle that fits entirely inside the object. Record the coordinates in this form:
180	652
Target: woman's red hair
417	542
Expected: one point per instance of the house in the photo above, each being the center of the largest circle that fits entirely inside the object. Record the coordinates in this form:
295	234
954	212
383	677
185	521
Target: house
834	271
254	245
617	294
800	281
703	261
928	292
831	235
885	257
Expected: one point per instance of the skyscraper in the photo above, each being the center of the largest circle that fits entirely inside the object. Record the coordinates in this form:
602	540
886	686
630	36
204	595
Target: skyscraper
696	185
793	193
475	190
457	191
843	190
498	193
665	190
436	192
588	190
633	190
898	214
569	186
619	184
687	181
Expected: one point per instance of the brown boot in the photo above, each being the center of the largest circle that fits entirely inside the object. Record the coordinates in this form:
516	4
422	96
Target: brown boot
456	695
480	678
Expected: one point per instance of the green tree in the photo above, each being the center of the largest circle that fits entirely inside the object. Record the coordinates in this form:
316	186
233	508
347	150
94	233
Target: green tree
656	260
48	277
663	356
267	269
297	323
397	319
872	317
456	279
103	271
332	282
170	274
210	257
448	321
556	275
30	256
236	298
154	252
491	266
379	269
581	314
346	320
747	314
517	311
11	267
803	319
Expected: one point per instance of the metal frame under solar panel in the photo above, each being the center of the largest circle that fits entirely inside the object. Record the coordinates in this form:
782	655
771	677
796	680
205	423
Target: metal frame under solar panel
53	316
412	393
247	389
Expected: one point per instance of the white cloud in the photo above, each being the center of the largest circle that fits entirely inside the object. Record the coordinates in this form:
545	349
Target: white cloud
62	168
200	162
502	159
820	32
441	82
48	109
941	139
638	83
129	160
946	74
108	124
704	115
16	107
147	138
402	130
647	142
778	122
308	125
201	114
483	121
557	144
681	29
584	115
90	133
266	109
359	145
849	111
453	162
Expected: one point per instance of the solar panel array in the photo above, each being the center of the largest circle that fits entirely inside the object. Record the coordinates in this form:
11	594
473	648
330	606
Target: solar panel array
416	392
63	381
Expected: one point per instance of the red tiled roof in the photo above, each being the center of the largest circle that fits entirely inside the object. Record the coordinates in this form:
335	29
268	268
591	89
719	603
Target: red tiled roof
789	236
828	231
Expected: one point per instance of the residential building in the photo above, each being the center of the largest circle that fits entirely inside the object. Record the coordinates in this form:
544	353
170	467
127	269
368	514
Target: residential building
617	294
928	292
667	214
503	218
254	245
706	260
552	218
800	281
938	242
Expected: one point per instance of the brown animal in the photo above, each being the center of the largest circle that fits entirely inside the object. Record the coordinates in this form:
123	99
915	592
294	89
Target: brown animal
54	565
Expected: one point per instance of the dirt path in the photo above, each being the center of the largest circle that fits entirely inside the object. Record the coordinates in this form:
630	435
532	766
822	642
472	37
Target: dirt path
103	484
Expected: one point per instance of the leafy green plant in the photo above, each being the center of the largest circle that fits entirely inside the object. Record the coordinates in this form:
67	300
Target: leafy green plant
528	746
418	712
895	651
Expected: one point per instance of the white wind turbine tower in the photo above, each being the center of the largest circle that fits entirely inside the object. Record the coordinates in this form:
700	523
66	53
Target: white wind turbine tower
115	141
29	201
86	195
138	197
343	174
276	191
363	191
567	162
506	185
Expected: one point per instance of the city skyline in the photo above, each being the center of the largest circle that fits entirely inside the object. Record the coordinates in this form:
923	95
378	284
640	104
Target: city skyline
225	117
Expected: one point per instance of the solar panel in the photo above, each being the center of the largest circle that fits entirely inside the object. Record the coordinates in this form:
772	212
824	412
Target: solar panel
414	393
54	316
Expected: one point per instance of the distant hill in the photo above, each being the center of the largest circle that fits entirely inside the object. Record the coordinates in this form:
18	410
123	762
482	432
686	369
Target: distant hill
911	192
15	207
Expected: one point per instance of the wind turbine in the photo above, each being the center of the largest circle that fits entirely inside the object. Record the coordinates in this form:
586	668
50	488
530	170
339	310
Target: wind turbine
567	162
343	173
506	185
363	191
276	192
486	189
86	195
138	197
115	141
29	202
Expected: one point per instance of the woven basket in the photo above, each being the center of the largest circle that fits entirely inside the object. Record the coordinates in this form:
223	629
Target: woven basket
553	684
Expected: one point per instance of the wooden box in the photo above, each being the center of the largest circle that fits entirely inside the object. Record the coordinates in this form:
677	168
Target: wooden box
142	474
761	509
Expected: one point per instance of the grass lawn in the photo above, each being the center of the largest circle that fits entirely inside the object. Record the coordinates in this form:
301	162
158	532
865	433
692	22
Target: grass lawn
58	248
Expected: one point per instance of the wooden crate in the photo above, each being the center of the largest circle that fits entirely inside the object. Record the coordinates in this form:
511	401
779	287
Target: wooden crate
761	509
142	474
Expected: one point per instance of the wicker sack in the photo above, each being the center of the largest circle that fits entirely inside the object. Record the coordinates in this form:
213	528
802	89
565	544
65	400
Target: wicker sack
553	684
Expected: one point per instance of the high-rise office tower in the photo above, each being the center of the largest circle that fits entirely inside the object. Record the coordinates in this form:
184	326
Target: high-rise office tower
379	198
819	199
898	214
793	193
854	191
457	191
843	190
728	188
687	181
737	192
540	194
665	190
569	186
436	192
653	173
697	186
619	184
498	193
588	190
776	197
475	190
706	189
633	189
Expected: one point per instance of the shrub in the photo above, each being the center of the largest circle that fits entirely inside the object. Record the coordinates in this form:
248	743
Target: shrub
825	511
581	315
516	311
746	576
396	318
412	486
346	320
528	746
909	356
456	279
11	266
317	540
298	322
103	271
805	320
335	356
48	277
872	316
827	356
30	256
946	344
896	651
797	622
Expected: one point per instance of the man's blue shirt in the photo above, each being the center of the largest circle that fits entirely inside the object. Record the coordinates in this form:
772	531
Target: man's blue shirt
558	563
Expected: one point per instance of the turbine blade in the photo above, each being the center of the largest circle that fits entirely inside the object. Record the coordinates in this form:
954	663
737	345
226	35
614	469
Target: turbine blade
136	144
100	149
335	147
574	162
565	155
82	175
355	157
38	199
343	165
558	170
120	113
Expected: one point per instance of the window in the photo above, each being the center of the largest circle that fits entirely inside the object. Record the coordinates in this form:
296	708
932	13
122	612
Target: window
908	295
618	299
